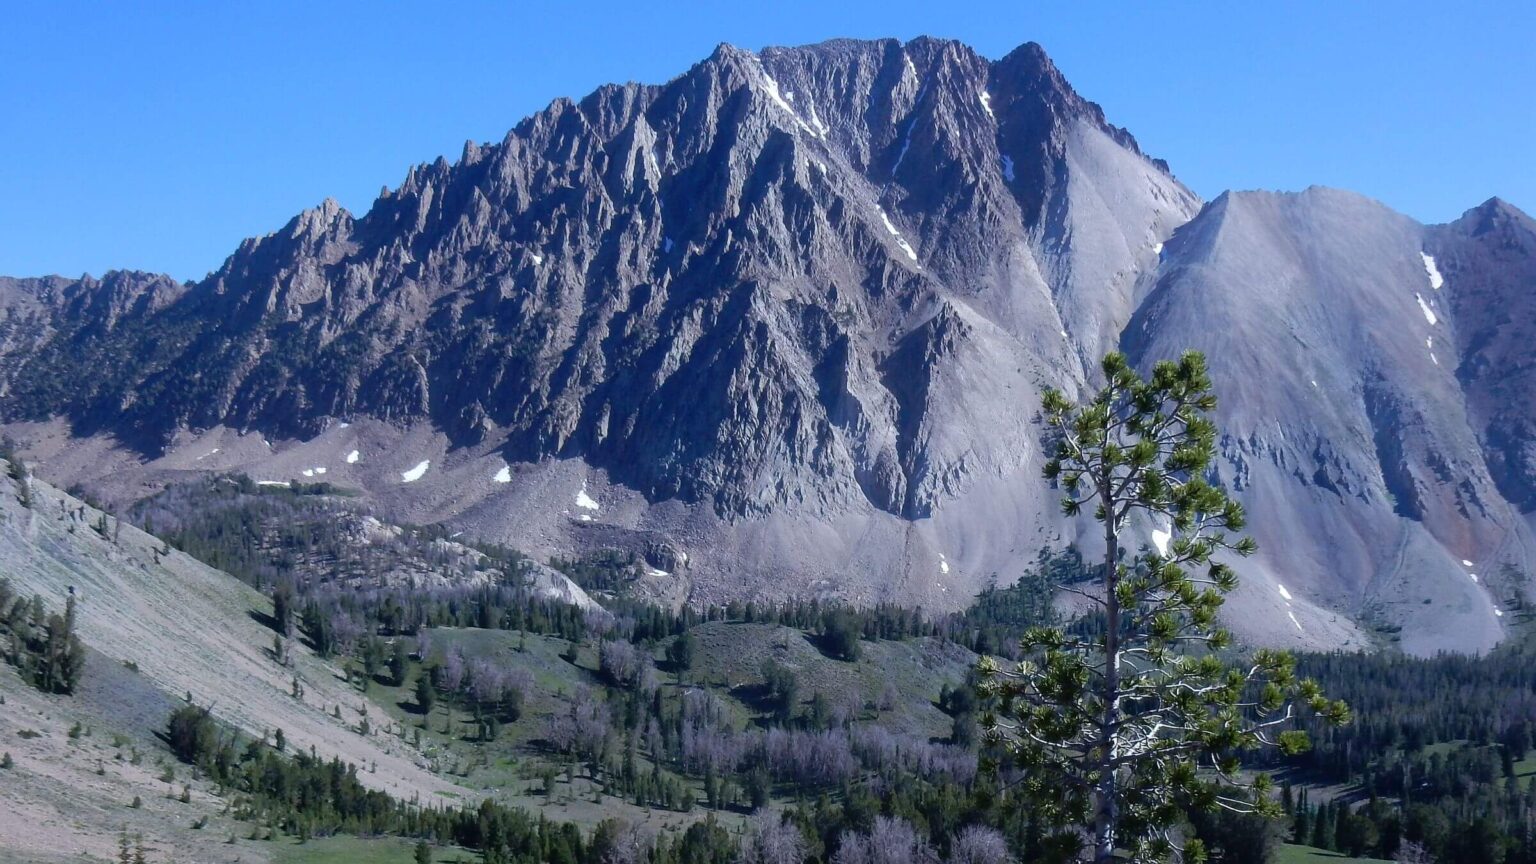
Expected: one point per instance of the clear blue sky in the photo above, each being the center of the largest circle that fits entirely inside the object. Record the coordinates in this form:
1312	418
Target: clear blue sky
157	135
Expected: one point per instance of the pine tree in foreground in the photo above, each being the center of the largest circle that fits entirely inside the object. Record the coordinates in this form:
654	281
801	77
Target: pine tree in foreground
1121	733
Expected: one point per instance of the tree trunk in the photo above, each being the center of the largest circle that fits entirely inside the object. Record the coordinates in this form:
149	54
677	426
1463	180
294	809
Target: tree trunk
1106	815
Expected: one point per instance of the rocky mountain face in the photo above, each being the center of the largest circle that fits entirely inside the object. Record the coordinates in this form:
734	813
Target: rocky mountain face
1340	349
782	323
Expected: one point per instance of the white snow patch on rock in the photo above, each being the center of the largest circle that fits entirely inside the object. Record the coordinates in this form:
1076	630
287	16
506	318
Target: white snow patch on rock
309	472
1498	613
771	88
1435	279
583	500
1160	539
1429	314
821	128
353	457
272	483
416	473
1294	621
1157	248
1466	563
986	104
1284	593
1474	576
891	227
943	564
343	425
504	475
537	258
1433	359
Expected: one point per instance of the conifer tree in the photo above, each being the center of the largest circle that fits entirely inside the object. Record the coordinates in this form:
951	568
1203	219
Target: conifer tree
1124	731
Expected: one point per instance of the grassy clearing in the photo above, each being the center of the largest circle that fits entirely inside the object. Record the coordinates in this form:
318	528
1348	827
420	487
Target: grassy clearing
360	850
1290	854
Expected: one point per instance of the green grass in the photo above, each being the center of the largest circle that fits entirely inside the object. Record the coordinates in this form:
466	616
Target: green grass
1290	854
359	850
730	655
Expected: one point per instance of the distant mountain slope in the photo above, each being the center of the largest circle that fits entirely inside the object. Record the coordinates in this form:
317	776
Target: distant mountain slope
782	323
1345	426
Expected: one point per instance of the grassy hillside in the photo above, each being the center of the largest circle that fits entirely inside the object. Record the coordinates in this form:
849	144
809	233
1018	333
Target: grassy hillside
159	626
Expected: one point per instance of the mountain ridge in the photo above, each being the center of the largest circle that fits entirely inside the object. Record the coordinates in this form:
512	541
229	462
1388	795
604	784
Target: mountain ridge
790	313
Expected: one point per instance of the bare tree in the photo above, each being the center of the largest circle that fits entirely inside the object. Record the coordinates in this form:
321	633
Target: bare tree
890	841
979	844
772	840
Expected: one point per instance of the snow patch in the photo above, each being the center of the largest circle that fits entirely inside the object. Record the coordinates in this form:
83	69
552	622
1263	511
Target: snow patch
1294	621
1284	593
911	67
1008	168
943	564
343	425
504	475
309	472
821	128
272	483
583	500
1429	314
1498	613
353	457
537	258
1435	279
1433	359
1314	383
655	572
1474	576
986	104
416	473
889	226
1160	539
1466	563
206	455
771	88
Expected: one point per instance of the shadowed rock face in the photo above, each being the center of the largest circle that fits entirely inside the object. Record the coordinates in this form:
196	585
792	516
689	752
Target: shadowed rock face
1488	261
796	308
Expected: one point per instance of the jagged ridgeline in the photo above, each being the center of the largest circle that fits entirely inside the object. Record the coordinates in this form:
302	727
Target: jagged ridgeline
777	328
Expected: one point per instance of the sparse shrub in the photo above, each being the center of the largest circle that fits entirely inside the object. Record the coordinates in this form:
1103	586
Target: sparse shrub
7	762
